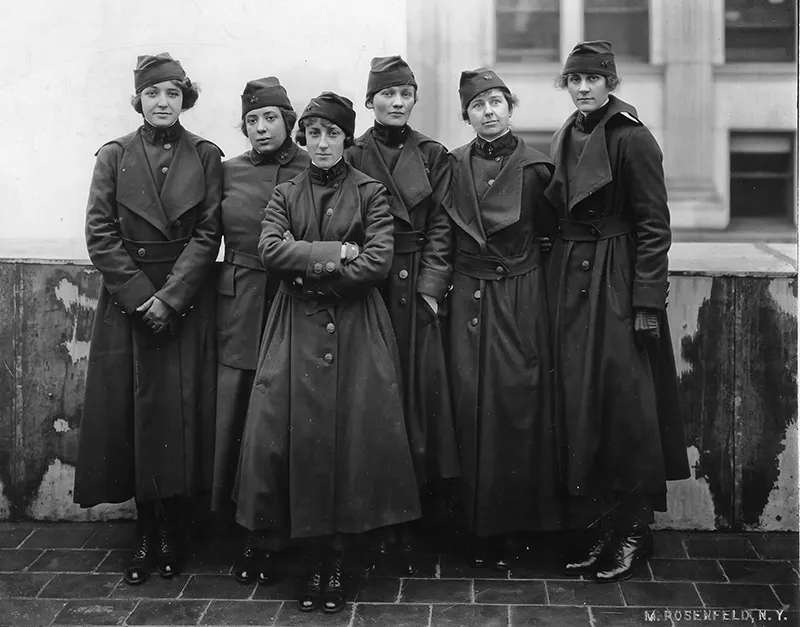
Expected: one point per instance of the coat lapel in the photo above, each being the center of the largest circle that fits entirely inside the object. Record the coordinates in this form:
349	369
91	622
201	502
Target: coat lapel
397	205
594	168
307	223
185	185
136	189
502	202
411	175
461	203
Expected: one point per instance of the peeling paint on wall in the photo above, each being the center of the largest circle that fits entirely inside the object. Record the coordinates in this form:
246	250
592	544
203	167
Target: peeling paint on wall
5	504
54	499
689	502
781	512
70	296
686	296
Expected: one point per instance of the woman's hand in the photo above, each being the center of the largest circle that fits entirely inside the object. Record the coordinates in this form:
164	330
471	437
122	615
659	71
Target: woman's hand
155	314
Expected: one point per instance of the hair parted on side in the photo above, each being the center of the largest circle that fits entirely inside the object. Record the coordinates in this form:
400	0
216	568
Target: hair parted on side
300	135
289	119
511	99
191	92
611	81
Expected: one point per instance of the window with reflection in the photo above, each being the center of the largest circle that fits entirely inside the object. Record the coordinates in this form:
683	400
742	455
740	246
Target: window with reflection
527	30
760	31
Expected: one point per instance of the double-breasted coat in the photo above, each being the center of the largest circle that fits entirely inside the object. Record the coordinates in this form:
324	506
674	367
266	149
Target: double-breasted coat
147	428
324	448
618	403
422	264
244	296
499	354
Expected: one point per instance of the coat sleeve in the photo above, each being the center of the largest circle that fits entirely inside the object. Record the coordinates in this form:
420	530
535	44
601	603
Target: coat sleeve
311	260
436	264
128	285
648	200
192	267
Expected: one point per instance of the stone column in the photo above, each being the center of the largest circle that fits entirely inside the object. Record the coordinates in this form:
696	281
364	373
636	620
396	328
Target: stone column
689	150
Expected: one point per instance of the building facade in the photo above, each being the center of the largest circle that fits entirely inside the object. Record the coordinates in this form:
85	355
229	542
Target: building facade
715	81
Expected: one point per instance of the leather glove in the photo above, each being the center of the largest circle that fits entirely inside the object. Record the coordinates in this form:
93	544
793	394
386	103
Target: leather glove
545	244
645	327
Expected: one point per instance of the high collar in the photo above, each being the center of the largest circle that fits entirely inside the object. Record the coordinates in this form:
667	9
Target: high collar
587	123
328	177
500	147
282	155
157	135
390	135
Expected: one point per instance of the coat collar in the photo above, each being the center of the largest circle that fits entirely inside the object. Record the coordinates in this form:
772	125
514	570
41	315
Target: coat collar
157	135
408	181
499	147
504	198
390	135
594	166
184	186
283	155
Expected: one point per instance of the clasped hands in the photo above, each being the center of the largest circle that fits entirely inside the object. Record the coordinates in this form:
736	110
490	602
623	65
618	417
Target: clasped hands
156	314
349	252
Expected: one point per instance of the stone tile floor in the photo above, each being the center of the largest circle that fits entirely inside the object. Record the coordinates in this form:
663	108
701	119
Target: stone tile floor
70	574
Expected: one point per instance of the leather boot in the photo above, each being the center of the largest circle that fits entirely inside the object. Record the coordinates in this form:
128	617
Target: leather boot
628	549
170	544
588	563
309	595
333	599
144	554
248	565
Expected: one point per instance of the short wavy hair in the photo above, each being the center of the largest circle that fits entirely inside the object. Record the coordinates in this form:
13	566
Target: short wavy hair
300	135
612	82
190	90
289	119
511	99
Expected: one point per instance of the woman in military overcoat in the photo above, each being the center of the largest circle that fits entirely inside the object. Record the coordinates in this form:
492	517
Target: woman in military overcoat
416	171
618	407
325	451
244	291
147	429
499	354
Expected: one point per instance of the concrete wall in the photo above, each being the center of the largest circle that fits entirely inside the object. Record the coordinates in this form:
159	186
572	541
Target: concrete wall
66	77
733	318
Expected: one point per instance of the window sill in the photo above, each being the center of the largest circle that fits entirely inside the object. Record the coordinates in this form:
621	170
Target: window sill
552	70
755	70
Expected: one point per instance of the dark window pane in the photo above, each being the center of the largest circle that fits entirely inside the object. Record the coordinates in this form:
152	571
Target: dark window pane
760	30
760	198
761	162
762	175
616	4
628	32
527	30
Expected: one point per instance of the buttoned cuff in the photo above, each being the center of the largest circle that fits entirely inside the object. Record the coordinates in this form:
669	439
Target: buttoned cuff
325	261
134	292
650	295
433	285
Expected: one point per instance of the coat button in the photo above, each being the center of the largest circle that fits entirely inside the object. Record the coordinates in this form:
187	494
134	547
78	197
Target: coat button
592	213
329	212
330	266
336	186
399	145
177	223
164	170
474	322
477	295
490	181
403	274
584	292
328	358
585	265
141	252
420	240
317	268
403	301
500	270
330	328
167	146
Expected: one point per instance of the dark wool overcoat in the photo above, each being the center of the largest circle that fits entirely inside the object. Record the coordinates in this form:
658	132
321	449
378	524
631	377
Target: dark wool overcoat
618	403
422	264
324	448
499	354
147	428
244	296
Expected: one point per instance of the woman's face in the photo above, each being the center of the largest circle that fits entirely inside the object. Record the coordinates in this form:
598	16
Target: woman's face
162	103
324	142
589	92
265	128
393	105
488	113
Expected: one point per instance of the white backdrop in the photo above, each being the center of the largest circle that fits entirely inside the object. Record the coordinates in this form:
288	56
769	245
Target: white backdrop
66	77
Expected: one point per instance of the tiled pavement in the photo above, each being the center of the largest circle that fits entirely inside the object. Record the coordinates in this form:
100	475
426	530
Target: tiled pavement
69	574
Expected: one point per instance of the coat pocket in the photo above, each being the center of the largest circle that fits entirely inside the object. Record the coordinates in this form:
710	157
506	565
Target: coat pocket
226	282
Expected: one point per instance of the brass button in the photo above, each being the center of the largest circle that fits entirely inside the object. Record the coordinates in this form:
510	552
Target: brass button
497	158
141	252
592	213
328	358
477	295
399	145
330	266
420	240
164	170
403	301
317	268
584	292
491	181
167	146
474	322
500	270
585	265
403	274
330	328
336	186
329	212
178	223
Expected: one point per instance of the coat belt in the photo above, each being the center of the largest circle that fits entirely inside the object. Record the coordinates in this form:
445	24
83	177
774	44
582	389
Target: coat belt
409	241
155	252
494	268
594	230
245	260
